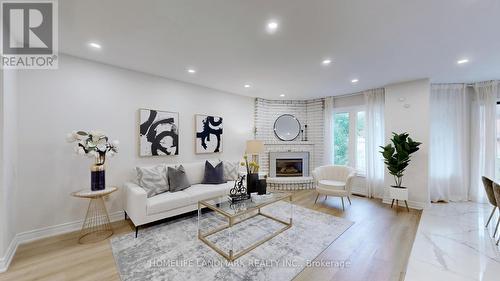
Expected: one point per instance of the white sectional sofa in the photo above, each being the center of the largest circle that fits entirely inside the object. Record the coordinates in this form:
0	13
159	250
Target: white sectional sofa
142	210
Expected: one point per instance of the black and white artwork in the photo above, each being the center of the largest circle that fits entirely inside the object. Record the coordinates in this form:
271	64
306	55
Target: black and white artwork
208	134
159	132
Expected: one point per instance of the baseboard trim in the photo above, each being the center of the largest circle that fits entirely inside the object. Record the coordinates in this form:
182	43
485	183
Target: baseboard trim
411	204
37	234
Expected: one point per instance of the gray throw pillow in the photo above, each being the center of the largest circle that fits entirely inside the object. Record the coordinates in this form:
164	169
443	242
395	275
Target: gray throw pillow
152	179
231	170
177	179
213	175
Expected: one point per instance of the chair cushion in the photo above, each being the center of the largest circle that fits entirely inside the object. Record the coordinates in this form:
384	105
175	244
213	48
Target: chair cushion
333	184
213	175
167	201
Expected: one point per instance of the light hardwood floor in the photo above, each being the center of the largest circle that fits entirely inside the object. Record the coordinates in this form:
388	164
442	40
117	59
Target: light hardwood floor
376	247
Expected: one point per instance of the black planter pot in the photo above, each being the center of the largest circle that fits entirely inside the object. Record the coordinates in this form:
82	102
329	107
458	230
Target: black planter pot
252	181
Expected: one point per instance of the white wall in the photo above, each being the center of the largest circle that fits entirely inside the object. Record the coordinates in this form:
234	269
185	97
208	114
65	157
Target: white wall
3	209
415	121
86	95
8	159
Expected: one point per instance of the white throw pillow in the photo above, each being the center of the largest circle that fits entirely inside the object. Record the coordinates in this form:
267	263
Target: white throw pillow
152	179
231	170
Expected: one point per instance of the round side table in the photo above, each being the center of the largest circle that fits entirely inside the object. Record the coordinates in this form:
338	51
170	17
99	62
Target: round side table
97	225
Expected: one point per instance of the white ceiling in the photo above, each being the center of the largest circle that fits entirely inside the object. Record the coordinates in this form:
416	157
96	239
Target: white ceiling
378	42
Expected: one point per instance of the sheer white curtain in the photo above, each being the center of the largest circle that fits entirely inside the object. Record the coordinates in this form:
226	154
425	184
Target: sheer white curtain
483	136
374	102
328	131
449	143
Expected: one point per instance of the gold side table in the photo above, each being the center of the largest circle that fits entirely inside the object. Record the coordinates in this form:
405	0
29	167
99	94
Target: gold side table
97	225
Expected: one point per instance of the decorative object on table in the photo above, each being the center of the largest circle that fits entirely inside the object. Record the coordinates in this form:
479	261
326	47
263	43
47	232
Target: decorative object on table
238	192
286	127
262	186
208	134
96	226
94	144
397	157
159	132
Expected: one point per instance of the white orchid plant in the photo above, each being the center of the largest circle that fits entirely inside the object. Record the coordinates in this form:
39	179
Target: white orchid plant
93	144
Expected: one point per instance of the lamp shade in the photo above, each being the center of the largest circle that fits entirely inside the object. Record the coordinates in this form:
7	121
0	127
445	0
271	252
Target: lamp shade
254	147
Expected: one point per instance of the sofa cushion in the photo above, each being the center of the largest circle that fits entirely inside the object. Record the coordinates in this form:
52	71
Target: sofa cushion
167	201
340	185
152	179
231	170
194	171
213	175
177	179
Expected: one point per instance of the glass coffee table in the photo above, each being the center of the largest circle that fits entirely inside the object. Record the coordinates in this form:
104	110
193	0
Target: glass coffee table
233	214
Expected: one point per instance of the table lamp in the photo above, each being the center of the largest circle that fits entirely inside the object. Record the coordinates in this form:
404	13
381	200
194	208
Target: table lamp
254	148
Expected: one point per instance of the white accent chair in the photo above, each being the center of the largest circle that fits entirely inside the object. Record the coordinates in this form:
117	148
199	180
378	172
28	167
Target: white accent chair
334	181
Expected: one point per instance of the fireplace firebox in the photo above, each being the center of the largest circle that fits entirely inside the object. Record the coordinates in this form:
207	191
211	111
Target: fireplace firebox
289	167
289	164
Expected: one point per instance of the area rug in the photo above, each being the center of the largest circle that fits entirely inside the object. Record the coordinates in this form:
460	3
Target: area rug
172	250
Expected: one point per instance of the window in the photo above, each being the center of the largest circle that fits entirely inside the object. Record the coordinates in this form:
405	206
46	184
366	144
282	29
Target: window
349	138
341	138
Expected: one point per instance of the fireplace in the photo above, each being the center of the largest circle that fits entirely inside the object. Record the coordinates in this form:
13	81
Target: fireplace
289	164
289	167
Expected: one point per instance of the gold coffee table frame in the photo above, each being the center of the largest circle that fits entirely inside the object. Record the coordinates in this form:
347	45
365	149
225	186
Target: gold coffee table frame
231	221
96	226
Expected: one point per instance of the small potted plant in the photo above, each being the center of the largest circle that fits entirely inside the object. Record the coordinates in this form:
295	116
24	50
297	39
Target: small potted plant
94	144
397	157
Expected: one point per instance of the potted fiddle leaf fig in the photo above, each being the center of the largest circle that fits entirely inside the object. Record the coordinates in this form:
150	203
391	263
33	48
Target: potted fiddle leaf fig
397	157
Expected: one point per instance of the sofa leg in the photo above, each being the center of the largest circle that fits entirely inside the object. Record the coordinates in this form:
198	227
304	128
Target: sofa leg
316	199
136	231
125	215
349	200
343	209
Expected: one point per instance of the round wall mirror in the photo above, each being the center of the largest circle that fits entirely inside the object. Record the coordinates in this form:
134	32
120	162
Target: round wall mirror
286	127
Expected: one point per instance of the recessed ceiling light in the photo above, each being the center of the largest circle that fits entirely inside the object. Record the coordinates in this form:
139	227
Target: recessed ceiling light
354	81
191	70
462	61
272	26
326	61
247	86
95	45
282	95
